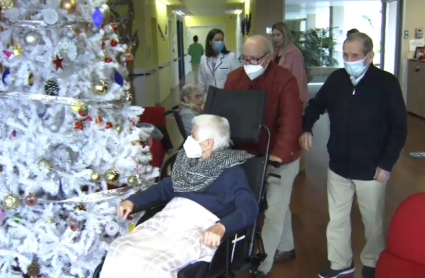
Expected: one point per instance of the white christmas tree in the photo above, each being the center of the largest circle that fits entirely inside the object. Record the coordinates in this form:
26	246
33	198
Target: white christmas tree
67	135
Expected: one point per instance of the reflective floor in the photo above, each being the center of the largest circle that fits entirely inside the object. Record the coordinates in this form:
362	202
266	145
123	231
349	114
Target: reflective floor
309	202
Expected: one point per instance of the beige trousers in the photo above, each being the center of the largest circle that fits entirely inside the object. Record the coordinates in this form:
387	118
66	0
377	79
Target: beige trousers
277	228
371	201
195	69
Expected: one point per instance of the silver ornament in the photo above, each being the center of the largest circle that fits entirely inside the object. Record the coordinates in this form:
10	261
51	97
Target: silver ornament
50	16
32	38
123	59
94	29
54	127
148	169
70	34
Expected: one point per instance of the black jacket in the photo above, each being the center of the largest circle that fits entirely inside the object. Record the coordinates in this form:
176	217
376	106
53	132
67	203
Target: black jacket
368	123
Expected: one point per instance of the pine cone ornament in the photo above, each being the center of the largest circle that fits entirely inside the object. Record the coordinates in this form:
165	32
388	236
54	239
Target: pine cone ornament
33	269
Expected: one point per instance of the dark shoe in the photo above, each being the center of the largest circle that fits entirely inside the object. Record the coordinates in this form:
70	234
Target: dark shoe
368	272
331	273
282	257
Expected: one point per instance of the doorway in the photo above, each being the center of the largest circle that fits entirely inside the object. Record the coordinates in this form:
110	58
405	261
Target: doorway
391	33
202	33
180	49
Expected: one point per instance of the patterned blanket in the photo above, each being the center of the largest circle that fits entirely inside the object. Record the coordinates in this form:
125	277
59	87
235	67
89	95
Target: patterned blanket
161	246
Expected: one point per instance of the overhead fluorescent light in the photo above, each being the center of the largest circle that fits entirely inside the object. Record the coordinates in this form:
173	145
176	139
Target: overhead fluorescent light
180	13
163	2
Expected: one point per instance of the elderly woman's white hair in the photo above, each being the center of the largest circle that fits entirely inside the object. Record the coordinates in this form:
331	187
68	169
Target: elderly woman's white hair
187	90
213	127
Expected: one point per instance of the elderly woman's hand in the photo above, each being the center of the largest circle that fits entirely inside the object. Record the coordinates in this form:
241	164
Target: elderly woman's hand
125	208
213	236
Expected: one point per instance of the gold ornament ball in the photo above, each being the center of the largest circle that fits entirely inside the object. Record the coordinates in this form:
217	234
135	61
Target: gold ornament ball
94	177
118	128
50	220
111	176
10	201
100	88
132	180
7	4
80	207
77	104
30	79
69	5
129	98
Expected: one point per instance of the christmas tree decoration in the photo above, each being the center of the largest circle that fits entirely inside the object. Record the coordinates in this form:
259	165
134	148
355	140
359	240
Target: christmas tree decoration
44	164
1	215
69	5
132	180
118	78
111	176
33	269
6	72
32	38
51	88
83	112
10	202
58	62
7	4
70	33
30	79
149	169
78	125
17	50
64	144
108	59
31	200
129	97
112	228
7	53
94	177
99	120
97	17
63	45
100	88
50	16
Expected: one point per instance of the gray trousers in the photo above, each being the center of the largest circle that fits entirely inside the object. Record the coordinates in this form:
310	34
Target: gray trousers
277	229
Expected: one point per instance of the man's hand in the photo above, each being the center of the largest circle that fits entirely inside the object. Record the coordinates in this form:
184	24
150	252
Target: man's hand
306	140
125	208
213	236
381	175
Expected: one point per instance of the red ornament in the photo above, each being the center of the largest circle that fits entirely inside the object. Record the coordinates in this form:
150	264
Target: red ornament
78	125
114	26
89	119
114	42
127	62
58	62
31	200
108	125
14	133
108	59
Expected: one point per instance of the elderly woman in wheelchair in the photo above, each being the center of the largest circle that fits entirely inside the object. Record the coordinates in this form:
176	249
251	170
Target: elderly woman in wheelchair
207	196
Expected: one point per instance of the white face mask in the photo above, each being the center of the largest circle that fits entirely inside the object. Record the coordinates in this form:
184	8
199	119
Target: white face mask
356	68
192	148
254	71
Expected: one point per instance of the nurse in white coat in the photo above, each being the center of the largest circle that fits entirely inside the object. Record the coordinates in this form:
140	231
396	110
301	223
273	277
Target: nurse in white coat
216	63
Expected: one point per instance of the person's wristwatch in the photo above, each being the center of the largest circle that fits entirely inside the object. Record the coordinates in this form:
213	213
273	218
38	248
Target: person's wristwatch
274	164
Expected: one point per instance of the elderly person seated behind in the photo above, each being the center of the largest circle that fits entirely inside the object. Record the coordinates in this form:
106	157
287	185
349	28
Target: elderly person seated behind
191	105
207	196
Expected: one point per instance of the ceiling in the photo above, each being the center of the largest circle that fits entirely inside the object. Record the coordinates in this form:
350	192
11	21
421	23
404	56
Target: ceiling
205	7
219	7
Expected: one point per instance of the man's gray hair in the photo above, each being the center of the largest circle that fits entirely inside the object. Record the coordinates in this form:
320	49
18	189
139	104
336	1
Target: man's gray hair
367	41
187	90
213	127
267	44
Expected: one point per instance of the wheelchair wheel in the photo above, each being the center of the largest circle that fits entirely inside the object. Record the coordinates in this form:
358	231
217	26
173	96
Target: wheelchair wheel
168	166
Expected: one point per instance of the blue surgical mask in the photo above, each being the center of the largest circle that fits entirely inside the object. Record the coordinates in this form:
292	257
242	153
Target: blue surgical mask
356	68
218	46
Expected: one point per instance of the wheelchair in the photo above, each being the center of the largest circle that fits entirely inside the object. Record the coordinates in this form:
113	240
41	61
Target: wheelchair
244	111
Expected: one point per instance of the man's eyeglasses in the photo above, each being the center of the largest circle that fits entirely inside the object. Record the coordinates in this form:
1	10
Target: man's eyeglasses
251	61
